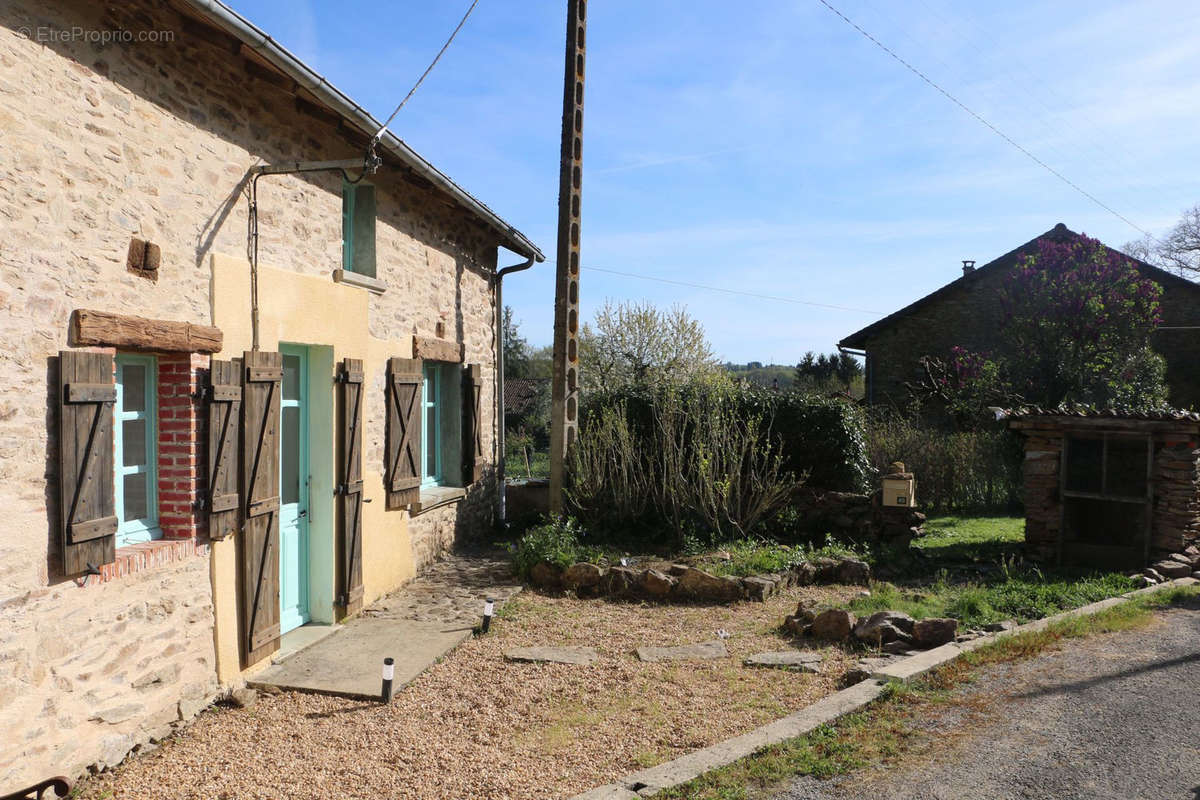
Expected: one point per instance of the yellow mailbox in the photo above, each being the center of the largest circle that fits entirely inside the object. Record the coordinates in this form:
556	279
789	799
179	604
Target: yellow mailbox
899	487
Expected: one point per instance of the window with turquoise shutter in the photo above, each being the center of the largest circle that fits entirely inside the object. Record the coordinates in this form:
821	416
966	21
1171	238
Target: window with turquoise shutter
135	435
358	228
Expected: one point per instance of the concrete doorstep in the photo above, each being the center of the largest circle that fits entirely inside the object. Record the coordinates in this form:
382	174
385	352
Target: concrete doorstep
649	782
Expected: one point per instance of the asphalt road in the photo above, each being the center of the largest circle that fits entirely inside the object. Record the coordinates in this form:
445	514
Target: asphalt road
1112	716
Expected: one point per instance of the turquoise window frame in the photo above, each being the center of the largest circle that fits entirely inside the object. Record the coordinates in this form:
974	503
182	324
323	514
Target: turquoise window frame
431	397
358	214
136	531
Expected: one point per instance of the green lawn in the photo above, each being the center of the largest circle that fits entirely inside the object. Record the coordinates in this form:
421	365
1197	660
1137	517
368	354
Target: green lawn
538	466
972	538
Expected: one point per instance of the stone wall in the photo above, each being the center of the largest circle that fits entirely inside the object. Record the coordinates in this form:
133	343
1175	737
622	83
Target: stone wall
104	142
88	673
1043	506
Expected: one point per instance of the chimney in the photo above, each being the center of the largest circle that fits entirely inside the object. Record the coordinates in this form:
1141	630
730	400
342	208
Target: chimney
968	267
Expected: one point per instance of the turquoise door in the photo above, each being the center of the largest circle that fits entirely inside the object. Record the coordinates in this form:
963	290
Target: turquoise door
293	490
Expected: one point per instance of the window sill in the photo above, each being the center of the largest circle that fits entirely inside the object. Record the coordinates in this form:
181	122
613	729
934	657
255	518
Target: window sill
134	558
373	285
435	497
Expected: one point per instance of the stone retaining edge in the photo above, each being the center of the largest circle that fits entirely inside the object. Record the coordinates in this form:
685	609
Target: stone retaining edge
649	782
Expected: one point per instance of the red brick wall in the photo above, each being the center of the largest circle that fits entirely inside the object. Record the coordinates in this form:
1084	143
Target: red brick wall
181	435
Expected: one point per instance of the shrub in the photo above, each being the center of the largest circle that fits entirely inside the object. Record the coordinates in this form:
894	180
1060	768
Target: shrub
555	543
963	471
694	461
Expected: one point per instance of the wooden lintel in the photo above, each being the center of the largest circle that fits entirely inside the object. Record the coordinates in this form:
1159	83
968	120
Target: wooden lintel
103	329
428	348
1065	424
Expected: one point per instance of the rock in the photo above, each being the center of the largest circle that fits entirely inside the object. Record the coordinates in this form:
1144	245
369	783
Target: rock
803	574
794	660
553	655
806	612
883	627
1196	575
826	570
1172	569
619	582
1193	553
856	674
935	631
757	588
545	575
582	578
678	569
244	697
117	714
996	627
899	648
1142	582
1153	575
864	593
833	625
704	651
700	585
657	584
851	571
795	625
1181	558
157	677
267	689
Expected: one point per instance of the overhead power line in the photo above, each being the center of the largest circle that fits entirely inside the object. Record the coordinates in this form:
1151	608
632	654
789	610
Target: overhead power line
987	124
428	70
723	290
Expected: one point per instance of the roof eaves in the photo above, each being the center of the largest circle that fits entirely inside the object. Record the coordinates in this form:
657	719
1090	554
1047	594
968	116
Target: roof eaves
261	42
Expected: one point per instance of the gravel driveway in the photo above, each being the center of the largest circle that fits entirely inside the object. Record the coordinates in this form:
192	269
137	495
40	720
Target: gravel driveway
1114	716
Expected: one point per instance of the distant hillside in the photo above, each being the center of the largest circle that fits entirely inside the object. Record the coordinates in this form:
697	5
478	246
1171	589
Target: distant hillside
763	374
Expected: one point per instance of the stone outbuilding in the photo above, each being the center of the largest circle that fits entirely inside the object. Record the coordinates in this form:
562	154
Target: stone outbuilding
1107	488
217	429
968	312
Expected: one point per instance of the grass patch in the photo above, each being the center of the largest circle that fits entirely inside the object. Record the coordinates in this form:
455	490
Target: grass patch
1023	596
972	539
884	731
748	557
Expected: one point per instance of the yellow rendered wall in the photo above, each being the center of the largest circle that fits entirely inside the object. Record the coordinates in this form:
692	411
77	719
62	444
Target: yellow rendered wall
312	310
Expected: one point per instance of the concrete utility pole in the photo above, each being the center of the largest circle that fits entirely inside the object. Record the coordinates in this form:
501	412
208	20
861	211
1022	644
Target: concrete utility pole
564	409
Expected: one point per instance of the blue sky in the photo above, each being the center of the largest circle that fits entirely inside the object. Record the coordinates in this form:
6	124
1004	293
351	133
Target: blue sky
767	147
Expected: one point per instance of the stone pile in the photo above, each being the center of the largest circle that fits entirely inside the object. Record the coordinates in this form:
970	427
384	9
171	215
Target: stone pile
687	583
861	517
1176	565
890	631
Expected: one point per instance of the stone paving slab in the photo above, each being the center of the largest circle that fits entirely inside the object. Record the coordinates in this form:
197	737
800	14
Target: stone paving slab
553	655
348	663
795	660
416	625
704	651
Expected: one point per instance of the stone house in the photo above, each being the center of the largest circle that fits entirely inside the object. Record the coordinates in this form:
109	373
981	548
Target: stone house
966	312
1109	489
210	439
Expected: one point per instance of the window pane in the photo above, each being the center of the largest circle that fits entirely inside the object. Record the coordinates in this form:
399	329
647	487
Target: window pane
136	497
431	443
133	442
1084	465
289	489
291	377
133	387
1126	467
363	230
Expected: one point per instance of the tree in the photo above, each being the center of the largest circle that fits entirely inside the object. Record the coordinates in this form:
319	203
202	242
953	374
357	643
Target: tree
820	372
1178	251
638	343
516	348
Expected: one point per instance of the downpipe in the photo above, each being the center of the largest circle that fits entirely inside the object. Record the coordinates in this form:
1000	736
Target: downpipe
500	477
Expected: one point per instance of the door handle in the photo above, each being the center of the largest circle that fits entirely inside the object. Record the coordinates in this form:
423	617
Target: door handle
304	513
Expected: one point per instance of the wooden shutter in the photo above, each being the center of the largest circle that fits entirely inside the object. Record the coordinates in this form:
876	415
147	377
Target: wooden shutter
472	437
224	438
89	518
350	486
403	431
263	379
